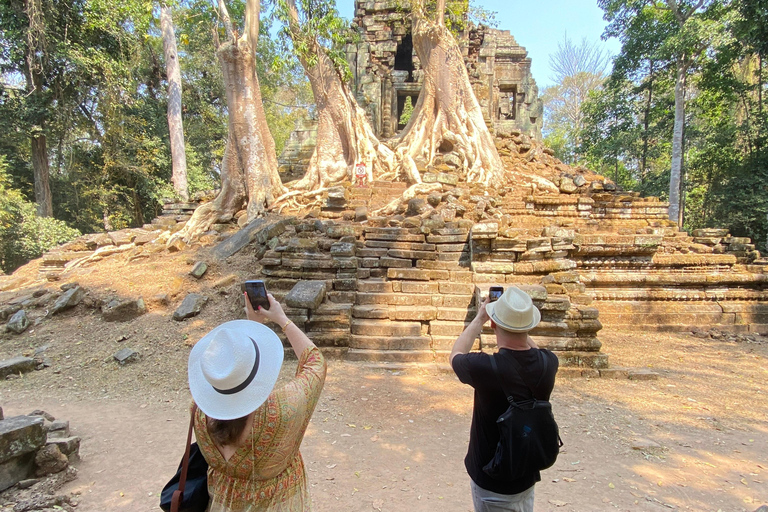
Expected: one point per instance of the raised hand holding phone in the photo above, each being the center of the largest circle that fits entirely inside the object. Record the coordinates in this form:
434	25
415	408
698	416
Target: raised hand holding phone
257	293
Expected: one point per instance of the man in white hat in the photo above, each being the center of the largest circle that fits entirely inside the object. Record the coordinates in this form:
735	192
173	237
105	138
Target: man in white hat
512	316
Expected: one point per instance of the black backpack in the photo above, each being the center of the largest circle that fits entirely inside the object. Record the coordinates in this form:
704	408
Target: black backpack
529	439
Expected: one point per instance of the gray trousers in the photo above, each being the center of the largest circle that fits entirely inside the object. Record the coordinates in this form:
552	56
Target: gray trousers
487	501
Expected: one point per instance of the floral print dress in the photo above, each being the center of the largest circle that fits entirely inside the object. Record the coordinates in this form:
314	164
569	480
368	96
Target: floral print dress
266	473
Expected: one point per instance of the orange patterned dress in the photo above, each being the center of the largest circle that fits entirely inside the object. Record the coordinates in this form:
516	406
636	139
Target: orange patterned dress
266	473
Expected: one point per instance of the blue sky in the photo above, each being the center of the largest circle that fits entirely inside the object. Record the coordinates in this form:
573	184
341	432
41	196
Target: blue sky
539	25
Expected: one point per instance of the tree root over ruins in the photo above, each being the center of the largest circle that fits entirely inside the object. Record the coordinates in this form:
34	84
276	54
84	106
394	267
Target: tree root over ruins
249	173
447	117
344	135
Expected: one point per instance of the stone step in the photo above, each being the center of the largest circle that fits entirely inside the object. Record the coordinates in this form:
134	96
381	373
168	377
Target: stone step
582	359
399	356
390	343
410	368
385	328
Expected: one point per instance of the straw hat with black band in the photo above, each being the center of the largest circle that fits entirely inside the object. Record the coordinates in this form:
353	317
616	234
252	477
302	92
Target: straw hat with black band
514	311
233	369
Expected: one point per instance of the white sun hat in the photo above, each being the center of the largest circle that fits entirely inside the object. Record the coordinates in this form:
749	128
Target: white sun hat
514	311
233	369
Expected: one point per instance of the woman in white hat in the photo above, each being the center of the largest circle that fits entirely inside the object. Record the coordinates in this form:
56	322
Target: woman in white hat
247	431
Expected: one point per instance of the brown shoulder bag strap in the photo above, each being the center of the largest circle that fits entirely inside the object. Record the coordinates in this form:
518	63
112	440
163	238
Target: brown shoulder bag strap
178	495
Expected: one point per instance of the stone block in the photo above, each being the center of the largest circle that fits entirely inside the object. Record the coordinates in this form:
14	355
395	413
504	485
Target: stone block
454	288
342	249
407	246
68	300
18	322
538	244
372	311
485	230
20	438
489	267
614	373
420	313
191	306
344	263
253	230
308	261
69	446
58	428
341	230
306	294
455	314
366	252
123	310
345	284
710	232
447	239
15	366
390	343
424	255
389	262
414	274
370	286
385	328
643	374
446	328
419	287
50	460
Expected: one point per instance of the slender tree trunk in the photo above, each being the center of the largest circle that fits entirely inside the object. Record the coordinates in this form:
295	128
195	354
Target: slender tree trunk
646	123
249	173
677	142
447	117
41	174
175	124
344	135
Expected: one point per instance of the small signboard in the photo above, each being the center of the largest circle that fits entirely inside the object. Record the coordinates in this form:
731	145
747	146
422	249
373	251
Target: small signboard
360	174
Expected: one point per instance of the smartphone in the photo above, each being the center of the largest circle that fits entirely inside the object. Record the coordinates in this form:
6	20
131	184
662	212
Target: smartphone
494	292
257	294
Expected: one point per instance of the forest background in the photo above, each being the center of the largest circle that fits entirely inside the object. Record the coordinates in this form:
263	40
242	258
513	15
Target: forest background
84	96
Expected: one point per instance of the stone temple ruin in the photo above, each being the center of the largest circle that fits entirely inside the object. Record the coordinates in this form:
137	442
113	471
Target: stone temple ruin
401	287
386	74
386	71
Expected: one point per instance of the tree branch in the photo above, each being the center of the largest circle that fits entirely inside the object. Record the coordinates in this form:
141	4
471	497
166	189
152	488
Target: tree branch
226	20
252	12
441	12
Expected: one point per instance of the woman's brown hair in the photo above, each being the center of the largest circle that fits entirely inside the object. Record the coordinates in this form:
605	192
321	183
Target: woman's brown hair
227	432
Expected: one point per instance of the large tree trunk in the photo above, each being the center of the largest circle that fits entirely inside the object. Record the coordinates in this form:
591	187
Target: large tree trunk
175	125
677	143
249	171
344	135
34	76
447	117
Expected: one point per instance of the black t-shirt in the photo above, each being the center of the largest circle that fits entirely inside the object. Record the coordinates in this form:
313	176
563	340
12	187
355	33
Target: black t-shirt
490	402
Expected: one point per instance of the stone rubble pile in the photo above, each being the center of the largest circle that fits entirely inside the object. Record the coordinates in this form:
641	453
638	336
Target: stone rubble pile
33	447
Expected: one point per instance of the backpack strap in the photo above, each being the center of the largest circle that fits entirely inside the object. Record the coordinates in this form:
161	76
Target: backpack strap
495	367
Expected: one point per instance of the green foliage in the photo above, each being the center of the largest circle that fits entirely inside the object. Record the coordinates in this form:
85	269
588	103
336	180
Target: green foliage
407	112
319	23
24	235
723	46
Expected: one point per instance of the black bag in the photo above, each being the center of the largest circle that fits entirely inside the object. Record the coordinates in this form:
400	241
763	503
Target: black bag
529	439
187	491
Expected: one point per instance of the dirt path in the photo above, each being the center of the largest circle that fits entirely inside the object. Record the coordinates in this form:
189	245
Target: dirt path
392	442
